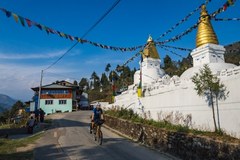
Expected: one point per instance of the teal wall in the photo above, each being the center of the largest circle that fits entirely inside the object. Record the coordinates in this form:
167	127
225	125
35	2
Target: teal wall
52	108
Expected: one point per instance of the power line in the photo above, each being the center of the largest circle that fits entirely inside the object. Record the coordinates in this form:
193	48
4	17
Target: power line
89	30
103	16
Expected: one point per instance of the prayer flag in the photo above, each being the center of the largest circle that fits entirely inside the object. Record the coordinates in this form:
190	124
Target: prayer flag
22	20
8	14
15	17
39	26
28	22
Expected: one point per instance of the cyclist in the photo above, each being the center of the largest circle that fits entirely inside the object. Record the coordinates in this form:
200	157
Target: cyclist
97	116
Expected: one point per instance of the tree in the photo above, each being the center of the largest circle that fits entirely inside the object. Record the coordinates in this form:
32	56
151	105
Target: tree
113	76
75	82
83	84
104	81
206	84
15	108
96	80
185	64
167	62
107	68
170	66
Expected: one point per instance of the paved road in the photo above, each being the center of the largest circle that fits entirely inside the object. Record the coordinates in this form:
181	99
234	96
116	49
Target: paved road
70	139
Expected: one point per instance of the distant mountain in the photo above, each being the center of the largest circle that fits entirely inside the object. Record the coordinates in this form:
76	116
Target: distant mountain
233	53
6	102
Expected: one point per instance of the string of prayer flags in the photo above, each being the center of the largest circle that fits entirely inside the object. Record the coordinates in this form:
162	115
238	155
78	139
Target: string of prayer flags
226	19
180	22
178	48
223	8
172	52
49	30
190	29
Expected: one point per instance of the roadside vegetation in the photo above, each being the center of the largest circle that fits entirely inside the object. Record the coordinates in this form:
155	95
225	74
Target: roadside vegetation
17	149
128	114
15	117
8	148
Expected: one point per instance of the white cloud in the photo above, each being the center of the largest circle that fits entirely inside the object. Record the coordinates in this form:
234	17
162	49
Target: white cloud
17	80
42	55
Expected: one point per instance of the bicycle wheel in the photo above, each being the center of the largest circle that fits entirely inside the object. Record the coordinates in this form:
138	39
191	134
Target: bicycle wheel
99	137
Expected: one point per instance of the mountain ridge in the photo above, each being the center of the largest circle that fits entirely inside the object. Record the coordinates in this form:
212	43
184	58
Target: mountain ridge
6	102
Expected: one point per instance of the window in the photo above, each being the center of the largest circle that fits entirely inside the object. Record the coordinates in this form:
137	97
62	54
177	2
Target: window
48	102
62	101
55	91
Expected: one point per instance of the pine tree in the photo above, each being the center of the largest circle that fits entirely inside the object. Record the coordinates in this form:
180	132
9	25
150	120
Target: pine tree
83	84
75	83
96	80
104	81
107	68
170	66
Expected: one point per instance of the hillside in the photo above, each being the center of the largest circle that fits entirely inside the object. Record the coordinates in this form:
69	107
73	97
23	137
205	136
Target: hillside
232	54
6	102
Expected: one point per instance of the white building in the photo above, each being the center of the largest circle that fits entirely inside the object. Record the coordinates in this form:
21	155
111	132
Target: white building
174	98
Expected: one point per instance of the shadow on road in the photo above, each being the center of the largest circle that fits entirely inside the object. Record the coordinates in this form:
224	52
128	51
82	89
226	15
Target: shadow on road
95	152
17	156
79	144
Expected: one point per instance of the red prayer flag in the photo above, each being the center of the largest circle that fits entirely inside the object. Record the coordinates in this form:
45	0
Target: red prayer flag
29	22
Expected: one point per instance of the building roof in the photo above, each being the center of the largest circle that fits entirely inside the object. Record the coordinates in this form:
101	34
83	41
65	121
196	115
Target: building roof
52	86
66	83
205	32
150	50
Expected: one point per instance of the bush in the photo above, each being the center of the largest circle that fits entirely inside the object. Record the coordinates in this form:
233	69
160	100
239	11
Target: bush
129	114
134	117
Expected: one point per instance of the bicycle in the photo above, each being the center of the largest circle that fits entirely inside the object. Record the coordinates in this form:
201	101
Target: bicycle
97	133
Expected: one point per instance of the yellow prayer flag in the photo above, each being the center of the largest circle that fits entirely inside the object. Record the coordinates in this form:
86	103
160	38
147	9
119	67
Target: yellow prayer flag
15	17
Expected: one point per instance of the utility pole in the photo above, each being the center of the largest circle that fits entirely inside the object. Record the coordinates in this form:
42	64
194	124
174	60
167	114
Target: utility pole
113	88
139	90
40	88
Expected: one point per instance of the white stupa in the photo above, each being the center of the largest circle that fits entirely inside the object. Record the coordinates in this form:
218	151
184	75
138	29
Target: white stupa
208	50
150	65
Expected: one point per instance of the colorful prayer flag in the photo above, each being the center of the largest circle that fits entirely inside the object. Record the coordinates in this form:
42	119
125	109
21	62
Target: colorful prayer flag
29	22
22	20
39	26
15	17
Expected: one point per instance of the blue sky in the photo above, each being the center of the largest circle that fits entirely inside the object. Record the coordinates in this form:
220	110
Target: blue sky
25	51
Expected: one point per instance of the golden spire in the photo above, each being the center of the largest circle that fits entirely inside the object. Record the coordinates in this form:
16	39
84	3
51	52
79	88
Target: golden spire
150	50
205	33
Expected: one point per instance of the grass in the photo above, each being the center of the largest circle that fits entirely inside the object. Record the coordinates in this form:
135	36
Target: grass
11	125
14	125
128	114
8	148
4	126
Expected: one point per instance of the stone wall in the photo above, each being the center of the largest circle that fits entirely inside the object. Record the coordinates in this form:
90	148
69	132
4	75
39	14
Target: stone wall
182	145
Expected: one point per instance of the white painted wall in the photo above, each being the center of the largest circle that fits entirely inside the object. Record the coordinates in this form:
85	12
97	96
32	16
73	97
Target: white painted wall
32	106
179	100
208	53
174	99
